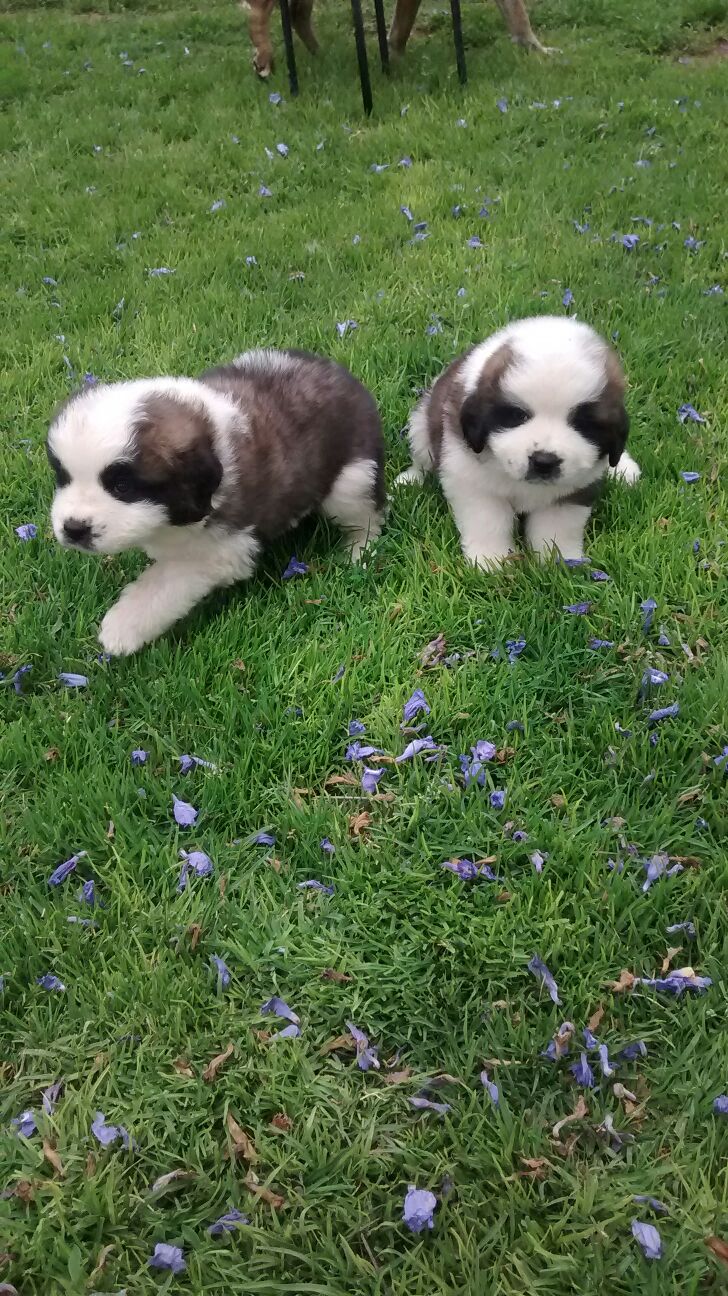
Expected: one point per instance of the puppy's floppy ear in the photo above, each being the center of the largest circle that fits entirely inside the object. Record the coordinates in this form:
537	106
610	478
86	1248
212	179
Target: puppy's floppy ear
175	456
615	414
478	409
474	421
619	431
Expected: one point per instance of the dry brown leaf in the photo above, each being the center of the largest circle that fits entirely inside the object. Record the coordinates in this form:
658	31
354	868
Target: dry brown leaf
242	1145
194	931
282	1122
488	859
718	1247
359	823
262	1035
626	981
338	1042
503	896
24	1191
398	1077
90	1167
347	780
313	602
580	1111
692	794
491	1062
111	830
51	754
100	1265
505	754
52	1157
396	610
689	861
332	974
558	801
595	1019
173	1177
565	1149
275	863
239	664
182	1067
266	1194
216	1063
672	952
534	1167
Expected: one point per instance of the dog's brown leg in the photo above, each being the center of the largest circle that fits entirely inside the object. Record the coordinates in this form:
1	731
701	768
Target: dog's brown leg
518	24
301	19
405	12
259	28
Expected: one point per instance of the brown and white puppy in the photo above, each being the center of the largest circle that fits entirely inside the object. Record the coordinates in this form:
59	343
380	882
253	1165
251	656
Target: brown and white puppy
513	11
526	424
200	473
259	13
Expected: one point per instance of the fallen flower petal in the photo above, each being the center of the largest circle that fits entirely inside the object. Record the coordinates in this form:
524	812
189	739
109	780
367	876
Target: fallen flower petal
370	778
690	477
327	846
167	1257
312	885
677	982
422	1103
288	1032
582	1072
263	839
415	747
50	1097
577	609
648	607
687	927
72	680
139	756
541	972
196	861
664	713
50	982
25	1124
346	326
419	1208
184	813
295	568
414	705
88	892
559	1045
361	751
366	1056
223	971
647	1236
538	860
657	1206
108	1134
491	1088
26	531
720	1105
228	1222
63	871
594	644
605	1064
686	412
188	763
280	1008
498	799
355	728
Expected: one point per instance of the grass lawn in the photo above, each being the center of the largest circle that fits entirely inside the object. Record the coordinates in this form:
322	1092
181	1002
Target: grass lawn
122	131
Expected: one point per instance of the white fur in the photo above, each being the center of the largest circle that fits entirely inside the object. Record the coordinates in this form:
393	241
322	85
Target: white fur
559	363
349	503
627	470
266	360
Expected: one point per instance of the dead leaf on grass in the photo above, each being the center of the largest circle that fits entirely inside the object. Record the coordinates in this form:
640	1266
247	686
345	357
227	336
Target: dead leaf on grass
182	1067
282	1122
534	1168
332	974
111	830
580	1111
338	1042
50	1154
692	794
626	981
266	1194
90	1167
194	931
242	1145
222	886
100	1265
216	1063
558	801
718	1247
672	952
173	1177
359	823
24	1191
347	780
398	1077
595	1020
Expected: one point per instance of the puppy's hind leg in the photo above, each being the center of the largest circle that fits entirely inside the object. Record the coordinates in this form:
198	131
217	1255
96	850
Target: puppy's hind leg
301	17
355	502
259	12
419	442
518	24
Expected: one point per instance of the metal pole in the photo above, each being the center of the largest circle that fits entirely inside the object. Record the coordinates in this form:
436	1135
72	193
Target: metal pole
288	42
457	32
361	54
382	35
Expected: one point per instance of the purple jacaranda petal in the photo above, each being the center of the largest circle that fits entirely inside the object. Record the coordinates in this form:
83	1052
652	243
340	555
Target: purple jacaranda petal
617	1138
160	271
474	241
491	1088
188	763
577	609
656	867
663	639
295	568
64	870
227	1223
49	281
370	778
282	150
647	1236
654	1204
559	1046
265	192
50	1097
224	974
590	1038
582	1072
262	839
598	575
690	477
415	747
379	167
502	105
26	531
280	1008
167	1257
366	1054
327	846
519	835
251	261
677	982
581	229
538	859
197	862
81	922
567	299
17	678
701	824
664	713
647	607
720	1105
721	759
541	972
652	679
50	982
72	680
355	728
25	1124
108	1134
346	326
595	644
714	291
515	726
654	739
414	705
311	884
484	750
687	927
604	1062
689	412
288	1032
88	892
419	1208
692	244
421	1103
405	162
406	212
498	798
275	98
468	871
629	241
139	756
184	813
357	751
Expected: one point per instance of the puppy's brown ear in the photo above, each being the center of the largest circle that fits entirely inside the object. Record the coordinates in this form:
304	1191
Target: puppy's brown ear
474	421
176	457
619	433
614	410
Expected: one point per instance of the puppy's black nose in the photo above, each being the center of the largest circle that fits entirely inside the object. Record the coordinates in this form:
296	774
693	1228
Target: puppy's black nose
543	465
77	532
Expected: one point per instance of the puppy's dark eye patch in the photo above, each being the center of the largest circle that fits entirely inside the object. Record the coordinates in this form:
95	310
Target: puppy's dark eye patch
509	416
587	420
62	477
121	482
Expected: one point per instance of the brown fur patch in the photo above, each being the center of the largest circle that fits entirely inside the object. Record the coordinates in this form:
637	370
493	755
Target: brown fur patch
175	457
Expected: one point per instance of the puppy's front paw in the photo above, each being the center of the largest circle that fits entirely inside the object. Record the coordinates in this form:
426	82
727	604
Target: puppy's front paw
487	560
122	630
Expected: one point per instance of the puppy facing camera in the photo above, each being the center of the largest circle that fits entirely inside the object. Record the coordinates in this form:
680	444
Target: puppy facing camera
526	424
201	473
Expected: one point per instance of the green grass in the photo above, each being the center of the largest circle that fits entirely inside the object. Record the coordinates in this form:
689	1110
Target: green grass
438	967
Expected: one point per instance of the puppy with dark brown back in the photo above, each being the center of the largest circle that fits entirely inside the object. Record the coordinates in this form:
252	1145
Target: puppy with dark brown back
201	473
526	424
